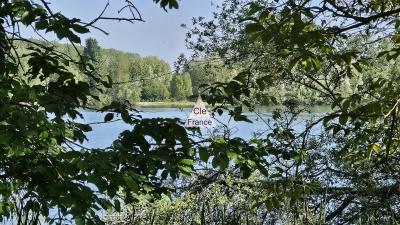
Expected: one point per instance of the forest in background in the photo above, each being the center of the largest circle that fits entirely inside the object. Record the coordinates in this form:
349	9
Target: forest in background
150	79
140	79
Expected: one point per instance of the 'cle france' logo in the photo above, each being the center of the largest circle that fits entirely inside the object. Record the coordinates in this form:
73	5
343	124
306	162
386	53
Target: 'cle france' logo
199	117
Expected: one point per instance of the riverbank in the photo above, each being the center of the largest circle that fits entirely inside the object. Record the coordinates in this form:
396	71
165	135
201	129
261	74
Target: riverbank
181	104
189	104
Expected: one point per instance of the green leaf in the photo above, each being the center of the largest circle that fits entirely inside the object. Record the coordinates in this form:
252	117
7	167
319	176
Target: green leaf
266	36
173	4
396	38
188	162
293	63
109	117
224	162
131	183
82	165
117	205
297	158
346	104
186	169
203	153
41	24
79	29
343	119
79	220
376	148
43	135
28	17
242	118
254	8
263	170
316	64
369	153
260	83
105	204
276	202
253	27
285	52
269	204
74	38
245	170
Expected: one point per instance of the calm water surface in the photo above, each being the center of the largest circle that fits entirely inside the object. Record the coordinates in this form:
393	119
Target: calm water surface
103	134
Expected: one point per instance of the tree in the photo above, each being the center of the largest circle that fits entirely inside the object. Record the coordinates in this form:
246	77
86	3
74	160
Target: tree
348	172
222	201
46	174
92	49
92	52
205	72
155	91
187	85
154	75
124	88
155	83
181	87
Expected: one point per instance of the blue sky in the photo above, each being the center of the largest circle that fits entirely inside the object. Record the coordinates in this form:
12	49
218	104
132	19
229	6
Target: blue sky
161	34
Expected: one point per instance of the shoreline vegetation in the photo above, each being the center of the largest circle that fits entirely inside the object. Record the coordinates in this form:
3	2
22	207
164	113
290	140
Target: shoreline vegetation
172	104
190	104
152	82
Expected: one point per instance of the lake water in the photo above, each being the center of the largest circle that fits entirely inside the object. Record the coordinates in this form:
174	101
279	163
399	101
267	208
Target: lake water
103	134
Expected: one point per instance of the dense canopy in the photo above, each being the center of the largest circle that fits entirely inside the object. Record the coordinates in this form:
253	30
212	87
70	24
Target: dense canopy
337	167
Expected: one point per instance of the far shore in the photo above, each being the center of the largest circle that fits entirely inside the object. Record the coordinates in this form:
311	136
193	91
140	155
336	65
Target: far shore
180	104
189	104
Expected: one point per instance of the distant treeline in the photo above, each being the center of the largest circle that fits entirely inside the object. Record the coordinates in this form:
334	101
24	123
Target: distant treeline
149	79
142	79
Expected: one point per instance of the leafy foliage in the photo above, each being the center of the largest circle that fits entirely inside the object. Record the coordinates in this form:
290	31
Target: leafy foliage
181	86
46	174
327	51
340	167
